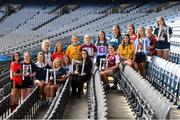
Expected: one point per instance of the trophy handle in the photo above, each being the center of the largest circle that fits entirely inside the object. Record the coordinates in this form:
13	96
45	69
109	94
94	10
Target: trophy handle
54	76
82	70
47	75
23	72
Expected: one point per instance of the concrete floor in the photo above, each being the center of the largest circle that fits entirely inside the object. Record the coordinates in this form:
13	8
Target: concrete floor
118	107
77	108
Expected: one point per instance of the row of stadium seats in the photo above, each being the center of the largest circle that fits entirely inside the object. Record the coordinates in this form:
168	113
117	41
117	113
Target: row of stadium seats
142	96
165	77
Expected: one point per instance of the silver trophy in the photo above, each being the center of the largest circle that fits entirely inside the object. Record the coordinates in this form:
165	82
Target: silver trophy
27	70
51	75
77	65
102	65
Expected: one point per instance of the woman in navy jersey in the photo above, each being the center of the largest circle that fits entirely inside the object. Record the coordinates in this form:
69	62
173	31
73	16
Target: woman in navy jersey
162	33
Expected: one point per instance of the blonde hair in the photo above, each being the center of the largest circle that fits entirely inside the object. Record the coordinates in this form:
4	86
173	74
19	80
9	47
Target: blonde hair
138	35
57	60
46	41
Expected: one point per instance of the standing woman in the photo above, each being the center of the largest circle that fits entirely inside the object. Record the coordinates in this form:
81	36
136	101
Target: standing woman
102	46
42	67
28	75
58	52
126	50
142	45
153	41
163	34
116	38
131	32
16	78
47	53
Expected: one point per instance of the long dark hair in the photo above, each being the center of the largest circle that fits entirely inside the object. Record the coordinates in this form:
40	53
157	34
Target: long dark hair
119	33
13	56
105	40
86	53
131	25
118	27
58	43
123	43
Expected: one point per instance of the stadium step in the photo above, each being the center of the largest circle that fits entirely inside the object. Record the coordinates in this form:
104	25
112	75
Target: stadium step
41	112
118	107
76	108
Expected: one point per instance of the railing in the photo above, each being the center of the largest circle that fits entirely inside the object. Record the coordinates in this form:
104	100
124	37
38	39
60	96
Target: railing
4	107
28	107
143	98
97	104
57	107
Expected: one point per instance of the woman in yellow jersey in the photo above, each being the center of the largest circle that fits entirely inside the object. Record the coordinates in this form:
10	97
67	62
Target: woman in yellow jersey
126	50
73	50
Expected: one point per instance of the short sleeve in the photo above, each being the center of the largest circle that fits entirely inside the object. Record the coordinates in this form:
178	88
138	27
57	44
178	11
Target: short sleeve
34	67
13	67
170	31
156	31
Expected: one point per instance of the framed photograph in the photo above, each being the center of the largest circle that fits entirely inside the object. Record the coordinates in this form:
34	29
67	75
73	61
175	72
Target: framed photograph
27	70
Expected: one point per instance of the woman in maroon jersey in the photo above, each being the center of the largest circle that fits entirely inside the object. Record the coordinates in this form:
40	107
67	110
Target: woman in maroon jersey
112	61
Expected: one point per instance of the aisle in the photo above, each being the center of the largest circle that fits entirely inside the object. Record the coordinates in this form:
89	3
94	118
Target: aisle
118	107
77	108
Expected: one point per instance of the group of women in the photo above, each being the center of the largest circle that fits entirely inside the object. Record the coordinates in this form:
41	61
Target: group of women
131	49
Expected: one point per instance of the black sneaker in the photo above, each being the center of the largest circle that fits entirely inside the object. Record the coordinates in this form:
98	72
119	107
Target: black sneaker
114	87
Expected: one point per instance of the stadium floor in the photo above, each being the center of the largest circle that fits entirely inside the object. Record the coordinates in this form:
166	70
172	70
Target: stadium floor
118	107
77	108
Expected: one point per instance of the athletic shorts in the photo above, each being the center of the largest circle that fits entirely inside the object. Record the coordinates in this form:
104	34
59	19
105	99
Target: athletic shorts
27	83
161	45
16	85
140	58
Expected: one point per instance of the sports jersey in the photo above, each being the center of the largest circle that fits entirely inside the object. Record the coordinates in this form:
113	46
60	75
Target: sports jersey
57	55
141	45
91	49
127	51
73	51
41	70
112	60
16	68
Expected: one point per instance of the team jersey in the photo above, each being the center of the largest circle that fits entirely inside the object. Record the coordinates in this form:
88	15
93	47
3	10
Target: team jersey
127	51
163	33
74	52
133	38
57	55
115	41
141	45
16	68
112	60
91	49
41	70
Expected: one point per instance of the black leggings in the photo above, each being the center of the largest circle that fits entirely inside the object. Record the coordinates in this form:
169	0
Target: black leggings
76	83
